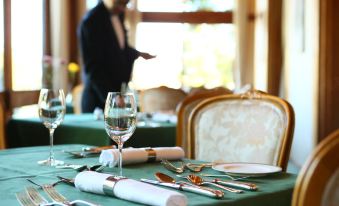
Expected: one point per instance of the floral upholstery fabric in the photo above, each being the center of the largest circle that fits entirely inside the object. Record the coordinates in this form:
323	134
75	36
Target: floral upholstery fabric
239	131
331	194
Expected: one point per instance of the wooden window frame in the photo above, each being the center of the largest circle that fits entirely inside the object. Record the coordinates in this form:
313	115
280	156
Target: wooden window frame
198	17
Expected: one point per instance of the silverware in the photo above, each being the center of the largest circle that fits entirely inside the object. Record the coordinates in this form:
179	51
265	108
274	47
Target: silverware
59	198
194	167
80	168
163	178
231	183
49	189
41	186
199	181
66	180
188	188
173	168
35	196
88	151
24	199
224	175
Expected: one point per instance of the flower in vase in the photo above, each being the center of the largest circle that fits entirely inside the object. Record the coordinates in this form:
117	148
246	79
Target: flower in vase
73	69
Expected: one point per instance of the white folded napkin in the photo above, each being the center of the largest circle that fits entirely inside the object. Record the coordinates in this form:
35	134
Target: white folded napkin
110	157
128	189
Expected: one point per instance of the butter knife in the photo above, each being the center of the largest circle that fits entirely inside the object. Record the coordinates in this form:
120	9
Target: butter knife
242	185
184	187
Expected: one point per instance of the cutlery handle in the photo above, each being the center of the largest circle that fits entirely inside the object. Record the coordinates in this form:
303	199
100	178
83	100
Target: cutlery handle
202	191
243	185
224	188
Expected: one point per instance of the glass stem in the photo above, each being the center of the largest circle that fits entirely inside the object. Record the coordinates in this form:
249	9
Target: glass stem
120	145
51	153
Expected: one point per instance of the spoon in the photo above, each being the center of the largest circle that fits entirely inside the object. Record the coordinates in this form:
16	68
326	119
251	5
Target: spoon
173	168
197	167
163	178
195	179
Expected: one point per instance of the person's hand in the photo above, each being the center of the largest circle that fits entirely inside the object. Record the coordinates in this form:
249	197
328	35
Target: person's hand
146	55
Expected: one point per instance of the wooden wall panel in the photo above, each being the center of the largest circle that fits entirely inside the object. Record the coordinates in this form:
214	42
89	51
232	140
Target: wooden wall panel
328	68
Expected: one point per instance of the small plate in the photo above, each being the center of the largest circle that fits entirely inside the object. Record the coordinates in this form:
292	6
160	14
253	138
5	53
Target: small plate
246	169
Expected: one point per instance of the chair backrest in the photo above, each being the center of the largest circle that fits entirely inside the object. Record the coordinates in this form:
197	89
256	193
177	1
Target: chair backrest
318	181
76	98
185	107
160	99
253	127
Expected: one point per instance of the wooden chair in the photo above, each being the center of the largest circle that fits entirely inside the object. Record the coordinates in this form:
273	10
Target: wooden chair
318	181
185	107
253	127
160	99
76	98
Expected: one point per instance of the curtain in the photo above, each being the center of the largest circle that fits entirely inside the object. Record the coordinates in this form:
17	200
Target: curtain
133	17
59	39
243	70
65	16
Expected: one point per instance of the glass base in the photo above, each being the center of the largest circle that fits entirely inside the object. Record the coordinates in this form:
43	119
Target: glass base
50	162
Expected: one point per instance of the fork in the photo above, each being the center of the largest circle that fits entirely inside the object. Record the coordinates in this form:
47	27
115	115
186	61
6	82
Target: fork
58	198
24	199
168	165
35	196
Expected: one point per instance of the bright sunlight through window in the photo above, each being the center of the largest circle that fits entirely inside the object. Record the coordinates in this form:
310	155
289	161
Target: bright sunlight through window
27	48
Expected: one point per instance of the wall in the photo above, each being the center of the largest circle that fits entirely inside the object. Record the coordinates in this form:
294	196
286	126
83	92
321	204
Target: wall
300	75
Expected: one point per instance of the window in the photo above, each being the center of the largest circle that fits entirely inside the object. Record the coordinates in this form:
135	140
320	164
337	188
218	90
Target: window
191	51
91	3
27	24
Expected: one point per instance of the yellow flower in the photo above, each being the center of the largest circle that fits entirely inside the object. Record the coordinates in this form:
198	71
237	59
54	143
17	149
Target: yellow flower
73	67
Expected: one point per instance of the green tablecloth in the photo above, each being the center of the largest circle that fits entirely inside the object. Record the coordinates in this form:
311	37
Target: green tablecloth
84	129
17	164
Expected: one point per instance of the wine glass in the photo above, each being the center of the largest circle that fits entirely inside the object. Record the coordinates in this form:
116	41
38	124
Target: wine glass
51	112
120	119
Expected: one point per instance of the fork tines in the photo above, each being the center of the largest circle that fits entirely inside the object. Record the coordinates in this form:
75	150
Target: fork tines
53	194
35	196
24	199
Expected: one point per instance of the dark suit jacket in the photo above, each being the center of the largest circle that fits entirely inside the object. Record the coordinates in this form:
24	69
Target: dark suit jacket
106	65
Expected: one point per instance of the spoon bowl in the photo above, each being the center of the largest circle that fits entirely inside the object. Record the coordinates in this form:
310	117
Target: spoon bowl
163	178
197	180
197	167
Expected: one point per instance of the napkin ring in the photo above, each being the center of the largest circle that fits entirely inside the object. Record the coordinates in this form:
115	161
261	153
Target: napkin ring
151	155
109	184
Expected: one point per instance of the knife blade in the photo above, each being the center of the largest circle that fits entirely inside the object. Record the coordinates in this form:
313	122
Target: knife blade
185	187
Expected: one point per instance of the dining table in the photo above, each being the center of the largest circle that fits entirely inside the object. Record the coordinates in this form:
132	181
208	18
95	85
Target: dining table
19	164
86	128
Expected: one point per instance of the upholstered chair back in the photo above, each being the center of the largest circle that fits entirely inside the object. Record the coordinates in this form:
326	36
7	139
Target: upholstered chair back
160	99
318	181
185	108
254	127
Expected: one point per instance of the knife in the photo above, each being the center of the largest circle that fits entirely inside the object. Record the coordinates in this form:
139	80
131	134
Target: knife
243	185
86	151
185	187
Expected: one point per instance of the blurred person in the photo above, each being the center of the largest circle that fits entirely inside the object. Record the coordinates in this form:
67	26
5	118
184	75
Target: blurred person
107	57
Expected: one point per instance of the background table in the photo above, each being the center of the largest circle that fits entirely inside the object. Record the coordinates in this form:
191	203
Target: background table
20	163
84	129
